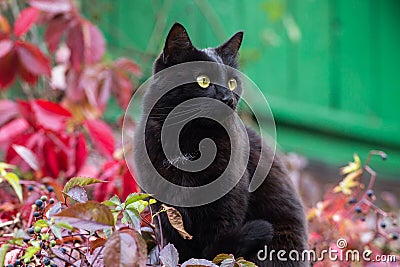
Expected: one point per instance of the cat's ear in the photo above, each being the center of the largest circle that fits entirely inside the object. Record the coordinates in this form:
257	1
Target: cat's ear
177	43
231	47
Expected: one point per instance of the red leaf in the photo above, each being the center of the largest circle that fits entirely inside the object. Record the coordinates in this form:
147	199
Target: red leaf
25	109
25	20
128	65
8	69
26	75
27	155
50	160
75	43
54	32
33	60
8	110
52	6
50	115
80	152
12	129
122	89
102	136
94	42
5	47
130	185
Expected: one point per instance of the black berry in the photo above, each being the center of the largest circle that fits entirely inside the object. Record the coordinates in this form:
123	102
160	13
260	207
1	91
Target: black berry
395	236
10	265
53	265
31	188
51	201
383	224
18	262
46	261
36	214
63	250
50	188
370	193
39	203
31	231
358	209
352	200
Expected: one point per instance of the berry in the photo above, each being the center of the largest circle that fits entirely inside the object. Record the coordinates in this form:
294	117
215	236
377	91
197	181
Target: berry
53	265
358	209
395	236
50	188
36	214
37	229
352	200
63	250
51	201
26	240
31	188
39	203
10	265
18	262
370	193
31	231
53	243
43	198
383	224
46	261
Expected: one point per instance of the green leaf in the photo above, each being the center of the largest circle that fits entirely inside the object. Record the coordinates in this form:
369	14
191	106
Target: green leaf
30	252
3	251
80	181
13	180
138	205
45	236
65	225
41	223
4	166
57	231
152	201
113	201
133	197
21	234
90	216
132	216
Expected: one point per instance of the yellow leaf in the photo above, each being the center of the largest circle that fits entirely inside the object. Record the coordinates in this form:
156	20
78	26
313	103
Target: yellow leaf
352	166
13	180
350	182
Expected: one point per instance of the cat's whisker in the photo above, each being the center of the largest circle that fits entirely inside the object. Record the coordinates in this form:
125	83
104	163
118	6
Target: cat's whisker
185	119
174	114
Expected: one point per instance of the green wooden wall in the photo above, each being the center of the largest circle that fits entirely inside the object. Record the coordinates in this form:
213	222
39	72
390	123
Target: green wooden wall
330	69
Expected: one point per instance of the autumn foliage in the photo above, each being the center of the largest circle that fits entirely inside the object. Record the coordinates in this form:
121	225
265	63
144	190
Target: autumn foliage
53	138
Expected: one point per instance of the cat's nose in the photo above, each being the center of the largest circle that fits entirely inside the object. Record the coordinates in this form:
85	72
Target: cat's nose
228	100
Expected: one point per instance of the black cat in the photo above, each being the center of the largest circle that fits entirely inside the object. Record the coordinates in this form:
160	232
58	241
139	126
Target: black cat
240	223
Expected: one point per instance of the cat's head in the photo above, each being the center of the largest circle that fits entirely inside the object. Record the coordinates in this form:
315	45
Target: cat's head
179	49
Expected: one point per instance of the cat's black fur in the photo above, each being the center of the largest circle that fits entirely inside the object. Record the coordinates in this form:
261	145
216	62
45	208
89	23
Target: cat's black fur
240	223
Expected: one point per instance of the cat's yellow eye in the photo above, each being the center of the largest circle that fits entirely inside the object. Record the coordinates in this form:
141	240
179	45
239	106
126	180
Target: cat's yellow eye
203	81
232	84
